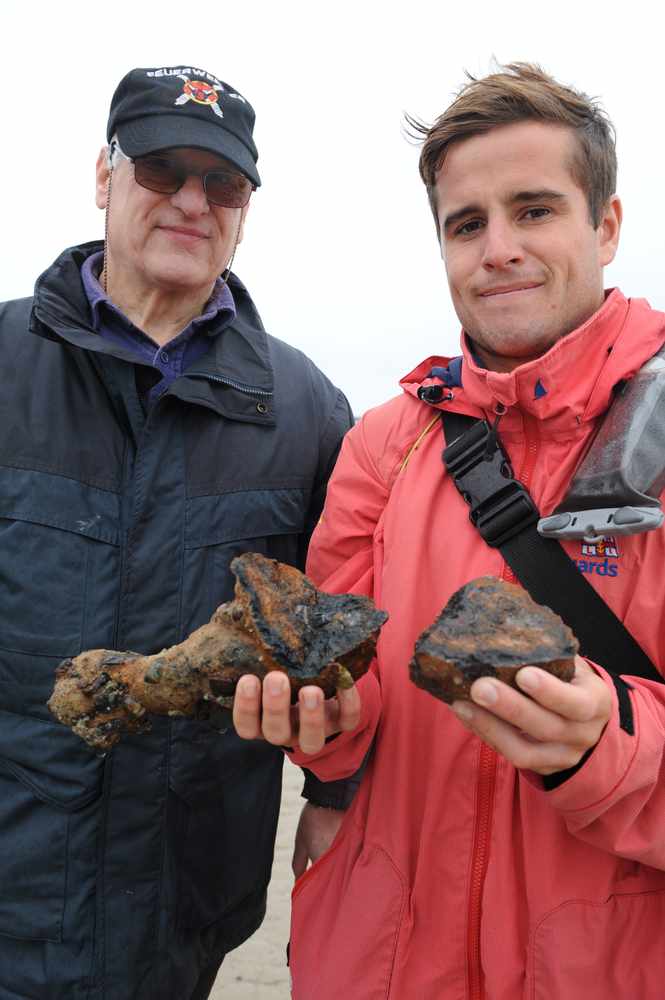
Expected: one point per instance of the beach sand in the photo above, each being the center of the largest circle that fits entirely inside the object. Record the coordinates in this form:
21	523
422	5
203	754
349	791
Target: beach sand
257	969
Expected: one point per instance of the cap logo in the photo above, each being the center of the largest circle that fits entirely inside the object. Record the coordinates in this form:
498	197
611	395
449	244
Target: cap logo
201	93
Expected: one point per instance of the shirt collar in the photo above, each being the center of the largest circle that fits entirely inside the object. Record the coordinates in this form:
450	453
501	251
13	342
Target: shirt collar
221	299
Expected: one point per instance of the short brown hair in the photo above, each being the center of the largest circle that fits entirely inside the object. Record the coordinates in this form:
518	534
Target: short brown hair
524	92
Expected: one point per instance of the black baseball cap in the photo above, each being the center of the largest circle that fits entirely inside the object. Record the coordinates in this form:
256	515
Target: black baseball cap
154	109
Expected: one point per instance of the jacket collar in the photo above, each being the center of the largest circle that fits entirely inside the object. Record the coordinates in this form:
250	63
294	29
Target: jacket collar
222	380
572	382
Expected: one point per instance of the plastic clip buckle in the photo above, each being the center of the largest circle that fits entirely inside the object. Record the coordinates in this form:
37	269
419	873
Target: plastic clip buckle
500	505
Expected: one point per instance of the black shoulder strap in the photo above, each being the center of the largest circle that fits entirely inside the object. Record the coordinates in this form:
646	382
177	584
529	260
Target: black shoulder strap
506	516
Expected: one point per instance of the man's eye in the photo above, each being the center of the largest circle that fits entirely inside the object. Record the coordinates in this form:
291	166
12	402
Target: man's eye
225	177
158	163
467	228
536	213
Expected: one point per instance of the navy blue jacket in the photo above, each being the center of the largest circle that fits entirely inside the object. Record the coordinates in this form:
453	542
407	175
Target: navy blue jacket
126	877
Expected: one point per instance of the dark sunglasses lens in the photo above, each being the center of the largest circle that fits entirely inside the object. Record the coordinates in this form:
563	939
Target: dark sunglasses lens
157	174
228	189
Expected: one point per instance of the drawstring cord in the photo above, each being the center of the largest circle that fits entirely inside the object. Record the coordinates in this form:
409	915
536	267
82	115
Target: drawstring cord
105	264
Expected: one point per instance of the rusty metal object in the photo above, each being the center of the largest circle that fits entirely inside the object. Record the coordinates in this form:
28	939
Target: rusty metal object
277	621
490	628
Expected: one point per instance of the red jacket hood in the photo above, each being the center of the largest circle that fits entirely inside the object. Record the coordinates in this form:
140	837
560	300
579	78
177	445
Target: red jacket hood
574	379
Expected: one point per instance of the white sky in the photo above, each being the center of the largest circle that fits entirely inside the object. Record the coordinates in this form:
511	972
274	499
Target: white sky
340	253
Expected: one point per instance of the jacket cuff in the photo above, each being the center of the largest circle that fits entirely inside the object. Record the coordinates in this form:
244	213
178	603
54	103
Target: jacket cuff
626	722
552	781
332	794
605	766
325	794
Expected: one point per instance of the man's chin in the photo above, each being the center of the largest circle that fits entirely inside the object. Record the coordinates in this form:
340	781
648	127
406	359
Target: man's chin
181	279
520	348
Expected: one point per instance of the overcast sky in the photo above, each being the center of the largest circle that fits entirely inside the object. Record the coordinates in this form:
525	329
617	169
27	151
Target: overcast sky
340	253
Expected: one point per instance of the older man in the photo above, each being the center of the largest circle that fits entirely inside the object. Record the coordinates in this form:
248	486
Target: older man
513	847
150	431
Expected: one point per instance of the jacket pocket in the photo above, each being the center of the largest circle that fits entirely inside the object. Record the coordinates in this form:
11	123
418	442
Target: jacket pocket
218	528
59	563
593	951
345	924
225	795
46	776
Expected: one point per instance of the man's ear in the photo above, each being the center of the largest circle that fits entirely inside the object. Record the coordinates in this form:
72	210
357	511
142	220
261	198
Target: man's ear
102	171
609	230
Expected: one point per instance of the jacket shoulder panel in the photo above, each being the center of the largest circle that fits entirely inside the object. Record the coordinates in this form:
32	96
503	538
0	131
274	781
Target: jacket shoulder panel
301	385
15	315
392	430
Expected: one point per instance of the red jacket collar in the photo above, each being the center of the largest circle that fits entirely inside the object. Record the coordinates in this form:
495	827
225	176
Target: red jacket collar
574	379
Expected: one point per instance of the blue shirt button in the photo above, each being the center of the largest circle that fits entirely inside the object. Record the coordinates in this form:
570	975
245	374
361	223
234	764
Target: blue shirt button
163	356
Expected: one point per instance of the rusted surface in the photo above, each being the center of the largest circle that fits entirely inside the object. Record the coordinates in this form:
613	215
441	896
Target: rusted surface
277	621
490	628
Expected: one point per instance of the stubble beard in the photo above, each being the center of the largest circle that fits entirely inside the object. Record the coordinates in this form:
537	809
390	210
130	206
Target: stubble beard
528	343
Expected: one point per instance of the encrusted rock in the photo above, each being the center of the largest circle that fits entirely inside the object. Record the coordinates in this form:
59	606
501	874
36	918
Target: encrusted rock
490	628
278	621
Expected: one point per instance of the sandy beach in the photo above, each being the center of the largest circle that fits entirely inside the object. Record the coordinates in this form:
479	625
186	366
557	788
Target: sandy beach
257	969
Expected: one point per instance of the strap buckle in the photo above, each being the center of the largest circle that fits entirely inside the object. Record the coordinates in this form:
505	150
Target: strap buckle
500	505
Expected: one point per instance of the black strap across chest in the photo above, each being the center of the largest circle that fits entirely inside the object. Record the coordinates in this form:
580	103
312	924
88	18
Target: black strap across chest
505	515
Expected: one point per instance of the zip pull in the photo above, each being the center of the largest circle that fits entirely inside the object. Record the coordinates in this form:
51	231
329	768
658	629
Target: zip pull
491	442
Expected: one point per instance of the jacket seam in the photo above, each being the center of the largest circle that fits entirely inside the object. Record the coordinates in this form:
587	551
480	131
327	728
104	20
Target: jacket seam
330	422
280	485
398	927
85	606
123	549
183	526
370	459
54	470
134	520
591	394
162	910
19	513
100	912
18	772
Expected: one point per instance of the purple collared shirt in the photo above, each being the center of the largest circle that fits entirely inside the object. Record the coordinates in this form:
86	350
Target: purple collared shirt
171	359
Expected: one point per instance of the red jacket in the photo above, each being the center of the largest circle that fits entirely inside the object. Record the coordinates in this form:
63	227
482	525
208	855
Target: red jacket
455	875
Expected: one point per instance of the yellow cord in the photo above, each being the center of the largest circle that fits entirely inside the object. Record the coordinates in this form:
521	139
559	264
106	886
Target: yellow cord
416	443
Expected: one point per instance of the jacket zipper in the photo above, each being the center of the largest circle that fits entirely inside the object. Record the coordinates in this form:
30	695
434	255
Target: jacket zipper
250	390
480	858
486	786
530	450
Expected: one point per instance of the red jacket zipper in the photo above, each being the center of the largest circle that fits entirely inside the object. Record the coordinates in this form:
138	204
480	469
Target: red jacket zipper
487	780
530	427
480	856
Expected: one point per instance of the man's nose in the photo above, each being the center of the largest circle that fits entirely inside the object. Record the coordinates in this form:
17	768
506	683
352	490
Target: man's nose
502	246
191	197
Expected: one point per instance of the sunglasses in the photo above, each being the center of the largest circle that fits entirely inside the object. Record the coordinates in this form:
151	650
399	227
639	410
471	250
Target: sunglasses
166	176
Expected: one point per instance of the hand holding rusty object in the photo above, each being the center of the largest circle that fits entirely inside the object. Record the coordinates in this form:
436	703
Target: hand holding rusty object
277	621
553	707
490	628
